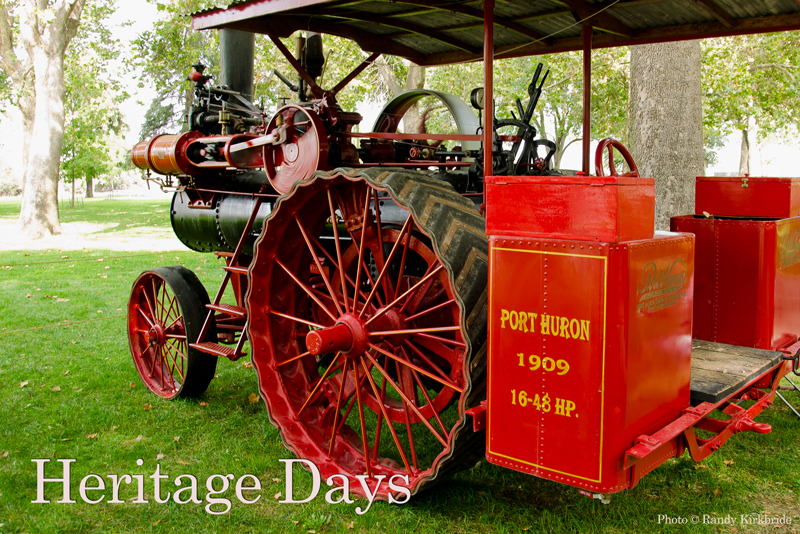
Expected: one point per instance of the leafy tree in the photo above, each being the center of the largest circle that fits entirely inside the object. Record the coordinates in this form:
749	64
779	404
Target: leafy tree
92	99
751	81
34	36
164	56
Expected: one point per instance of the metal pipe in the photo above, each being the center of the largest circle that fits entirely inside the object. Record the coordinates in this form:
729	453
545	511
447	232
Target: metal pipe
488	85
237	57
587	95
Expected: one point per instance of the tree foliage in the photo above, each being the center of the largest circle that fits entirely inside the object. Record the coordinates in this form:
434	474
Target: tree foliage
750	80
93	96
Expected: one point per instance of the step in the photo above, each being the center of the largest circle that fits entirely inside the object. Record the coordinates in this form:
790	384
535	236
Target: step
216	349
235	270
222	254
227	309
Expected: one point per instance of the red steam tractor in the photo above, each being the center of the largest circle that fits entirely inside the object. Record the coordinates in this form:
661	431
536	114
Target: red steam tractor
414	302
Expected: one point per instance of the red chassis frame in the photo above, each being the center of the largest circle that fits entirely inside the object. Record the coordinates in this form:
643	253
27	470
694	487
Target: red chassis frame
671	441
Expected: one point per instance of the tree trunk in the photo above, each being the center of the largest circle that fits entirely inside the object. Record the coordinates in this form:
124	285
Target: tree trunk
39	211
89	192
744	155
665	123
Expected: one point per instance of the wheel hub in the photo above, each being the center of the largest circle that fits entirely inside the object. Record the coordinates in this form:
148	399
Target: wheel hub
156	335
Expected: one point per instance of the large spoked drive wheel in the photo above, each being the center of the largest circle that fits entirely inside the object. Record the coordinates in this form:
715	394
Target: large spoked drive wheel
367	325
165	314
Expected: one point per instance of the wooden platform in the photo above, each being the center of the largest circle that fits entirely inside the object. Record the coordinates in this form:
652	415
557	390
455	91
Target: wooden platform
719	370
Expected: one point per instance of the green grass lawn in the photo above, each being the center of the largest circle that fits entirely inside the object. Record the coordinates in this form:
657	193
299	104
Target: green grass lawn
69	390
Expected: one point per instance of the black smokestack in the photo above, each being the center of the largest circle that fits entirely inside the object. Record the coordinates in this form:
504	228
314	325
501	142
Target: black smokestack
237	56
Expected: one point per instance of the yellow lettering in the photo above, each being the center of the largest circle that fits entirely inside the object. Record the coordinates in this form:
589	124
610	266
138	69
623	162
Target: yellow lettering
523	321
532	317
575	328
512	320
503	318
545	325
565	327
554	325
585	330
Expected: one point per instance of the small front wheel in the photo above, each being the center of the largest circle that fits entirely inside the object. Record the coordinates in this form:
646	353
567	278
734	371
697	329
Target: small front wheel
165	314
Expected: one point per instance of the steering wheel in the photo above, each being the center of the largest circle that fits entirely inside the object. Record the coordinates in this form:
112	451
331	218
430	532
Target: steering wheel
611	144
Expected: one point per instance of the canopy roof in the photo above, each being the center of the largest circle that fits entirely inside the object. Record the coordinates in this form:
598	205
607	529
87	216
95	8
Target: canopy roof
432	32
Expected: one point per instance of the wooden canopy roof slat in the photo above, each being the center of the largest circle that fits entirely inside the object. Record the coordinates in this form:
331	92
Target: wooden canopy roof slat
599	18
402	25
478	14
717	12
442	31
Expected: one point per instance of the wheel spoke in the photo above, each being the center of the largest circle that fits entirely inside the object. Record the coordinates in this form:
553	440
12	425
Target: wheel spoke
418	369
360	263
402	262
295	358
159	300
319	265
293	318
322	295
378	226
336	413
386	417
149	305
429	310
144	315
306	289
406	399
176	356
443	340
427	397
339	263
174	322
380	416
346	276
416	331
426	359
416	300
361	418
172	302
402	377
386	263
410	291
316	387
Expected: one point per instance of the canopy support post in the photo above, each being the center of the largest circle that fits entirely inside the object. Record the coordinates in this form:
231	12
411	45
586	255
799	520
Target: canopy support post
587	95
488	87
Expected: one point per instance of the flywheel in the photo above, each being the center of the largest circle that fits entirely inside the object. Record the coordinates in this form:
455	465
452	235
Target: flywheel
367	319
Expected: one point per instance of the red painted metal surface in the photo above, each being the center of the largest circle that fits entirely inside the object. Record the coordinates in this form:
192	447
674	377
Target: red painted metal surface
650	451
609	209
165	154
747	274
744	196
589	348
305	149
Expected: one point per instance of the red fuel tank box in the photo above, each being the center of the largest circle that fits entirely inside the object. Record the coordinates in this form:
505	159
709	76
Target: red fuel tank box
591	208
589	343
745	196
746	277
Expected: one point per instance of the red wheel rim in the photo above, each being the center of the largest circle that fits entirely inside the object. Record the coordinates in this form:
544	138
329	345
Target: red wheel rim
157	335
401	343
